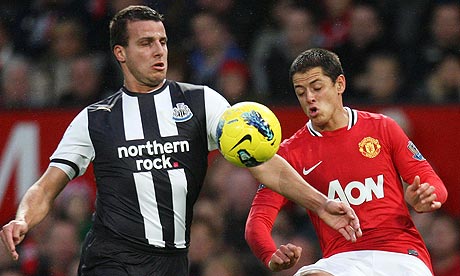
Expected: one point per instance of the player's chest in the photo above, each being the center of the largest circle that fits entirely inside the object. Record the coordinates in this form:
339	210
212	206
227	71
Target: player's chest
340	161
145	132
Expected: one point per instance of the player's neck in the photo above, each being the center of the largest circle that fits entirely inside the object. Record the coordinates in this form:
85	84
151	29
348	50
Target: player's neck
142	88
338	120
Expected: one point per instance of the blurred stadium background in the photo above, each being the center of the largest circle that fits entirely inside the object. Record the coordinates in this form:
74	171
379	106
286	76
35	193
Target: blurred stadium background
401	58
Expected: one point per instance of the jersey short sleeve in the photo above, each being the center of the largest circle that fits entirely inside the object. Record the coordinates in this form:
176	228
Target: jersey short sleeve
75	150
216	104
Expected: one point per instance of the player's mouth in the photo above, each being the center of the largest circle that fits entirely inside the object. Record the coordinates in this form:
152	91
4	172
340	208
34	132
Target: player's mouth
313	111
159	66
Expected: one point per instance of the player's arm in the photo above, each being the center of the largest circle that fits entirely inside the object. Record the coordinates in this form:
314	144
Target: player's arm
422	196
424	189
34	206
278	175
259	225
70	160
264	210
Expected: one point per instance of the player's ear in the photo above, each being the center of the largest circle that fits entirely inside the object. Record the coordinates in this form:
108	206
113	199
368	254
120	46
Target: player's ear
340	84
119	53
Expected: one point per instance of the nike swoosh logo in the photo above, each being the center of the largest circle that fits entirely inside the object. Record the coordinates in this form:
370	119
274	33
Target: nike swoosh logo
245	137
306	172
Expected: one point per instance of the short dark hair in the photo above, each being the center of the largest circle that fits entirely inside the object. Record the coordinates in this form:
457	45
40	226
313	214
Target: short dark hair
317	57
118	30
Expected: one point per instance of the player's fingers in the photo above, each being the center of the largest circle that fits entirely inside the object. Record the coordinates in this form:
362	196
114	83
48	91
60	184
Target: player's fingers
416	182
18	233
412	188
348	211
354	223
422	189
352	233
287	251
435	205
278	258
275	264
345	233
7	238
284	254
428	191
428	198
356	227
358	232
296	250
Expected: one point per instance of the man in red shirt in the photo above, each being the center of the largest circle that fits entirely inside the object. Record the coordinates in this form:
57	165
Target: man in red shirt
359	158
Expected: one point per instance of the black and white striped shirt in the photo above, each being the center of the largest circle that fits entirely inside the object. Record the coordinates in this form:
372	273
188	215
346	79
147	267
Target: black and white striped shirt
149	154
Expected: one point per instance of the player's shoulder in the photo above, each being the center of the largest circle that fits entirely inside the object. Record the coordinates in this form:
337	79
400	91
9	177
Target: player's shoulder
191	89
374	117
107	103
185	86
370	115
295	138
378	120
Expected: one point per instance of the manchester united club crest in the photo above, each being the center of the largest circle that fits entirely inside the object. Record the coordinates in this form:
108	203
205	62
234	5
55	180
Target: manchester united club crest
369	147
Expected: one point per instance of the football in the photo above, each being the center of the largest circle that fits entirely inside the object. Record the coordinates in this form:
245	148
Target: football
248	134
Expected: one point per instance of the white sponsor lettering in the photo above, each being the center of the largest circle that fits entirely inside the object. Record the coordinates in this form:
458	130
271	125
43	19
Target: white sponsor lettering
153	148
157	163
364	194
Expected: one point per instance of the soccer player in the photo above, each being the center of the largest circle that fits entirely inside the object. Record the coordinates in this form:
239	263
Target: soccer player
149	144
359	158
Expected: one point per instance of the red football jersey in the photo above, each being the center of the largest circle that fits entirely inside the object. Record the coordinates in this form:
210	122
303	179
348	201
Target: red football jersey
361	164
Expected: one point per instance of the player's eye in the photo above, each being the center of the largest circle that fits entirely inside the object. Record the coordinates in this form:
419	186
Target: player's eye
299	92
317	89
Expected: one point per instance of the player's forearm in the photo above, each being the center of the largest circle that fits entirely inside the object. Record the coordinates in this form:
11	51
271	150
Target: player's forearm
39	199
33	207
258	232
278	175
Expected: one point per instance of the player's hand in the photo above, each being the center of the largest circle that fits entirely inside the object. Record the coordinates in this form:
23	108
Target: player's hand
285	257
341	217
12	234
421	196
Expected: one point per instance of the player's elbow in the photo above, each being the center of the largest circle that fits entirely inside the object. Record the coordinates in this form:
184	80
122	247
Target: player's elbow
254	229
249	231
441	193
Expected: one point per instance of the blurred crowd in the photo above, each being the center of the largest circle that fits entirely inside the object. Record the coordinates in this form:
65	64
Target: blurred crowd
56	54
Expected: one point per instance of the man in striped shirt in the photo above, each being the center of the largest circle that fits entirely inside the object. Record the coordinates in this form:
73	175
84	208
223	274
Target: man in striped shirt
149	144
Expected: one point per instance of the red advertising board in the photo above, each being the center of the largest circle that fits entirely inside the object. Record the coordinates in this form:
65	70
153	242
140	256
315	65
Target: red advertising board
28	138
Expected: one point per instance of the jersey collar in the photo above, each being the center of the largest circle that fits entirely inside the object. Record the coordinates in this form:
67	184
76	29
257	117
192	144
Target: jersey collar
155	91
352	119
